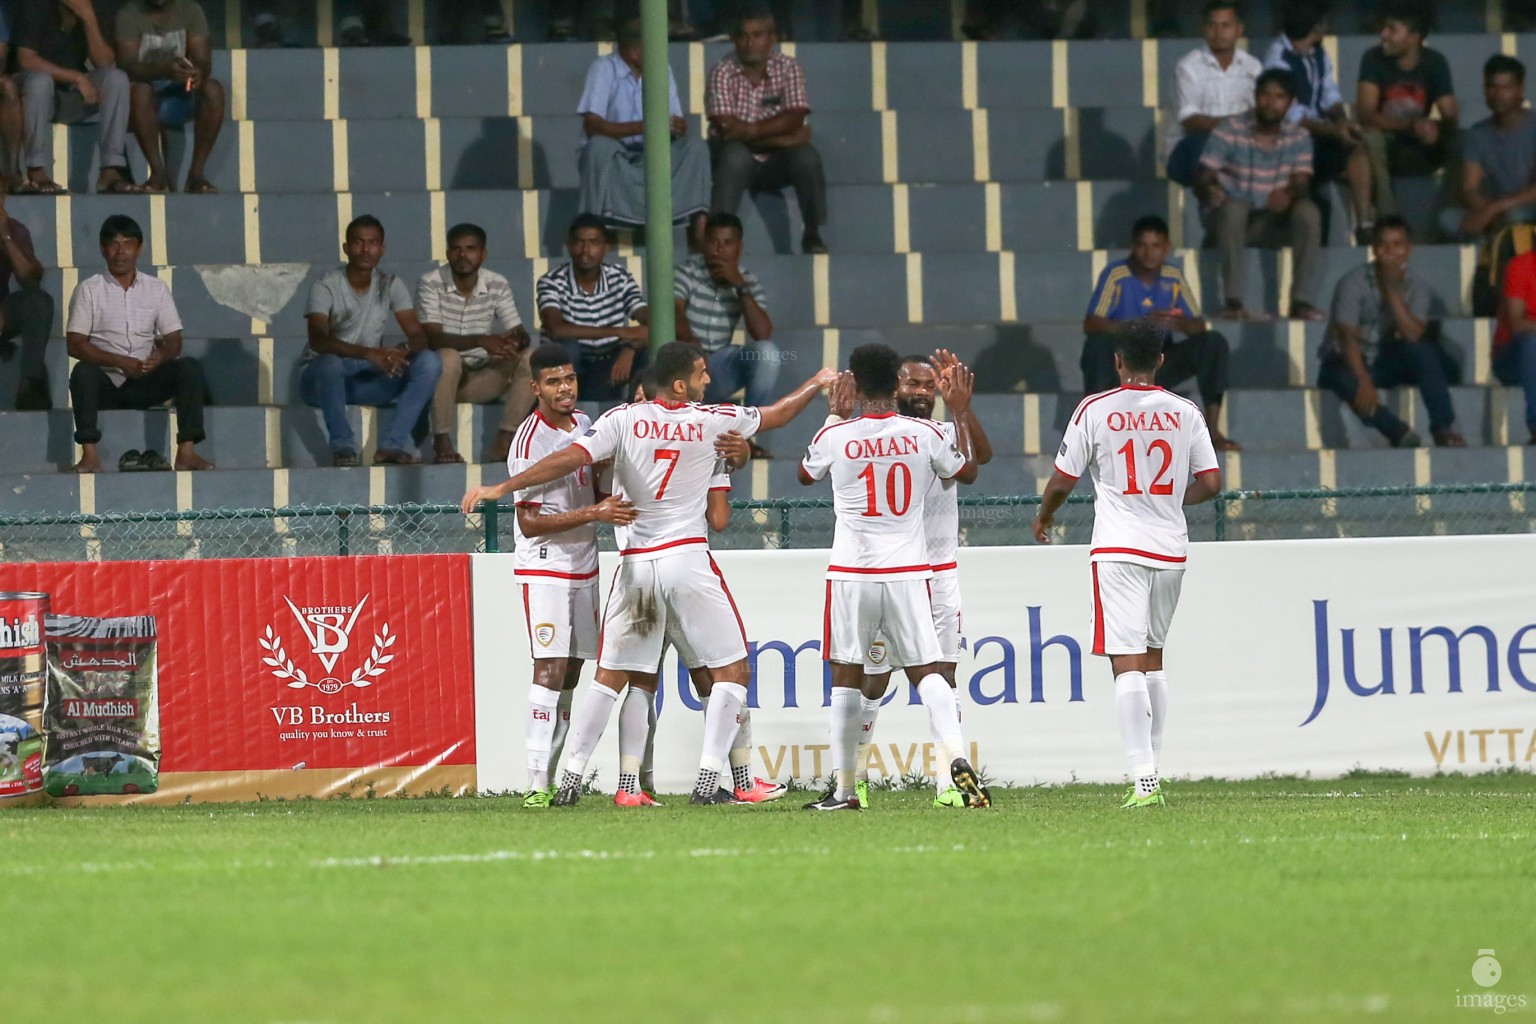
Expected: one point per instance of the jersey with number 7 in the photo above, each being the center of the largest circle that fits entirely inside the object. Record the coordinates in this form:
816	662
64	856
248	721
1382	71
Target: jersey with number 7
1142	445
663	461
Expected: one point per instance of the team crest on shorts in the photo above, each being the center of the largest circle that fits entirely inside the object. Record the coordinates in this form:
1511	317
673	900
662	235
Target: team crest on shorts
877	653
544	633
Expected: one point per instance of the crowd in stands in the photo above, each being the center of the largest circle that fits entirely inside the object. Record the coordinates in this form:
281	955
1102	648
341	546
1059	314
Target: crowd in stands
1255	141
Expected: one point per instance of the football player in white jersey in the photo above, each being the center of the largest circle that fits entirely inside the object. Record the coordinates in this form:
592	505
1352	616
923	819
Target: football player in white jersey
1150	454
556	560
664	457
883	466
920	380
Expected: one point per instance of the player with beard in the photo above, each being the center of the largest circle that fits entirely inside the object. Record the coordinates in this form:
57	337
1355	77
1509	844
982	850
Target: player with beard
917	384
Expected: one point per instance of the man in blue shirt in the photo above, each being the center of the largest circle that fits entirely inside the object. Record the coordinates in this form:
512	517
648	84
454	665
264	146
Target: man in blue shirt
613	158
1143	286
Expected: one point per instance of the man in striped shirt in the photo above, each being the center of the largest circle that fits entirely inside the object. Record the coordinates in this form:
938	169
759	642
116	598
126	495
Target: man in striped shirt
1253	186
458	304
714	294
587	305
125	332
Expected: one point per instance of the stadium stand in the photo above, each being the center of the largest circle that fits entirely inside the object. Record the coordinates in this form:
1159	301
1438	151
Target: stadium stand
975	192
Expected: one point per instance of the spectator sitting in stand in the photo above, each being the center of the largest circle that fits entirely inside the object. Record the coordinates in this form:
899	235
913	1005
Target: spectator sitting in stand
1498	157
1380	336
1144	287
163	47
1254	180
714	294
1514	342
1211	84
1319	106
26	313
126	334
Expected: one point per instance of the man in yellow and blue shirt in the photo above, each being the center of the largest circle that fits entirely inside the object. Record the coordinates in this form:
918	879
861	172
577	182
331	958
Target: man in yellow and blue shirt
1144	286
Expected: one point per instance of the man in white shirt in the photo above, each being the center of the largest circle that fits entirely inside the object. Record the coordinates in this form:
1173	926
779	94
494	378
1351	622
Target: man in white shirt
1211	83
613	158
1150	454
664	460
883	466
126	335
458	304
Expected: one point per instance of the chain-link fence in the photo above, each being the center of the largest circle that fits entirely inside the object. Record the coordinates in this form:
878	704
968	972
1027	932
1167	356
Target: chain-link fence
778	523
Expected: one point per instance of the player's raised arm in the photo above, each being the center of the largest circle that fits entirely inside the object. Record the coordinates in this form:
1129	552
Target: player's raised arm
611	509
551	467
944	362
956	385
794	403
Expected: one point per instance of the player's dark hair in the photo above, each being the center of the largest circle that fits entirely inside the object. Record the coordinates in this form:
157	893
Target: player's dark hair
1300	17
875	368
1276	76
1411	14
1504	64
548	356
723	221
121	224
647	383
367	220
588	220
750	12
1151	222
674	362
467	231
1140	344
1212	6
1391	222
913	360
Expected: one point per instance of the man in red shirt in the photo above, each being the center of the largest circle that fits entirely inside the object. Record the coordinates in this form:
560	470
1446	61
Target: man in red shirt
1514	342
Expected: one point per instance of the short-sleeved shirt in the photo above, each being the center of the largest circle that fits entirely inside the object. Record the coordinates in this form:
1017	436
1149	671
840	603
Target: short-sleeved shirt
1202	86
1142	444
613	303
883	467
731	93
1317	88
123	321
941	513
18	231
664	462
1249	165
357	319
1357	302
162	40
613	92
567	558
1408	93
439	301
1519	283
1121	295
1508	159
713	309
38	29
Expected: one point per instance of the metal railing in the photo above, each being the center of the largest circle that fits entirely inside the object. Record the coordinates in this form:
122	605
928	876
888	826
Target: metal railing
985	520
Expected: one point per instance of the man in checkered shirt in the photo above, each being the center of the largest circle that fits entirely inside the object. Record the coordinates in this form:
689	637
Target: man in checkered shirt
759	138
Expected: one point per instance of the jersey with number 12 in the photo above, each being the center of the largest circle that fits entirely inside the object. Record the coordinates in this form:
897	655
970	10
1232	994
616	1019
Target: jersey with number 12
1142	445
882	467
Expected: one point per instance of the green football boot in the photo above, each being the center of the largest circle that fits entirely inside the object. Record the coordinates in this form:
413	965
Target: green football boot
951	797
861	789
537	798
1151	799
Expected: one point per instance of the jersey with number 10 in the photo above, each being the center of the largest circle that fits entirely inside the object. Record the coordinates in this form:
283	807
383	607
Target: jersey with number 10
882	466
1142	445
664	462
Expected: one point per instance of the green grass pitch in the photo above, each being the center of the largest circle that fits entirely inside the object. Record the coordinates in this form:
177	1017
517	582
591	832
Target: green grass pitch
1275	900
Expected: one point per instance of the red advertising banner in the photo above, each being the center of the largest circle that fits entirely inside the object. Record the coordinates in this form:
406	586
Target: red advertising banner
295	665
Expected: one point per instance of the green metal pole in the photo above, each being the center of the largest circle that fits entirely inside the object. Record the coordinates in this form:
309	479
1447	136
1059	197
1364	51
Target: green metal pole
658	172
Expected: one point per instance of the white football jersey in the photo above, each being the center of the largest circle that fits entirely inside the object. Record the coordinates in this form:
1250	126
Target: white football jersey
664	461
941	514
571	555
721	481
882	468
1142	444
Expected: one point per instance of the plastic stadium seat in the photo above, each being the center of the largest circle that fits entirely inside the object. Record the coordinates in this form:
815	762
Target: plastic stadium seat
868	291
553	77
961	288
205	229
1104	73
294	156
471	82
934	147
378	82
1013	75
1027	144
305	229
384	156
837	76
482	153
285	85
1039	216
1267	420
850	146
923	76
1114	141
947	218
1054	286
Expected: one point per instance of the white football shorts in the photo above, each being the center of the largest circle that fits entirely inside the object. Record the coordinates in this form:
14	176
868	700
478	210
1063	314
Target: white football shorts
945	593
1132	606
562	621
897	613
681	594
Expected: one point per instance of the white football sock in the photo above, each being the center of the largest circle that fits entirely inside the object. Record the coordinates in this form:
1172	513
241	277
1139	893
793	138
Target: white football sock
741	752
845	737
943	778
1157	694
587	725
869	710
634	726
943	714
562	726
1134	709
539	734
648	762
722	713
